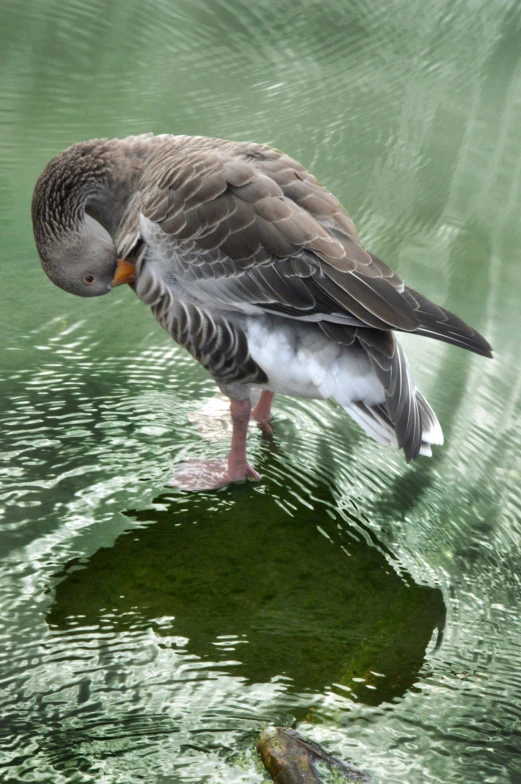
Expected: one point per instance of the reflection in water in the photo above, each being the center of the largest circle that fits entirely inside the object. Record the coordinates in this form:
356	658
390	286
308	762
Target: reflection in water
263	595
409	112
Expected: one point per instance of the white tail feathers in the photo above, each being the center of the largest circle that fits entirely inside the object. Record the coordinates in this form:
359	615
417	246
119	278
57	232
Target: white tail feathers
377	423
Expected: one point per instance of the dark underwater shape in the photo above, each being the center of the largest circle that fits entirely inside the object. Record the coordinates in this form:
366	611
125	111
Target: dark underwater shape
293	602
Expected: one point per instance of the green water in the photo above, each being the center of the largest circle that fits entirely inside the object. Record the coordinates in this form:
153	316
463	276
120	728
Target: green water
147	635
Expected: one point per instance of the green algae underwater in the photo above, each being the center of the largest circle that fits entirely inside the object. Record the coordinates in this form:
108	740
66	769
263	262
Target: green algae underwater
261	594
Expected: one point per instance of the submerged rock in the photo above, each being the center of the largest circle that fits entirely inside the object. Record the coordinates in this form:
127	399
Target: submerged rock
291	759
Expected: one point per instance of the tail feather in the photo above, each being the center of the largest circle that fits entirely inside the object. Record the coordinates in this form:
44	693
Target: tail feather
376	422
375	425
406	418
431	428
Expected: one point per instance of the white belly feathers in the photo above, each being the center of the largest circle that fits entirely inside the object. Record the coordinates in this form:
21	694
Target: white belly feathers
299	360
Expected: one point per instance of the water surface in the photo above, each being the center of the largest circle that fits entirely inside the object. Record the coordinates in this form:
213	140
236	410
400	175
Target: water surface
149	635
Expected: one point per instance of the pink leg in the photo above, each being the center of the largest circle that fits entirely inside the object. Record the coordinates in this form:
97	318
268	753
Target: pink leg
262	412
212	474
238	467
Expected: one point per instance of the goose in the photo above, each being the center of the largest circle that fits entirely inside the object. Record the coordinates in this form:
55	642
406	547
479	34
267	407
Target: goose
255	268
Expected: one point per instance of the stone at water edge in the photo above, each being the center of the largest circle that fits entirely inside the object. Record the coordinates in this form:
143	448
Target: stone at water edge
290	759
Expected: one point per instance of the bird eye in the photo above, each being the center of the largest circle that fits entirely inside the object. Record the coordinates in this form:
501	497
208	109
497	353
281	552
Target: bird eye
89	278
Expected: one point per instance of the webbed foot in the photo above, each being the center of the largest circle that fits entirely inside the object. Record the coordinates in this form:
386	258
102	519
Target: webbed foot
197	475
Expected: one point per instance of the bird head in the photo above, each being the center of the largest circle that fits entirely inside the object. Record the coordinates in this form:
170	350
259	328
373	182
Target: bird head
84	181
81	263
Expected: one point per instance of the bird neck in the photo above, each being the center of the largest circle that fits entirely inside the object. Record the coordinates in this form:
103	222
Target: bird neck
96	177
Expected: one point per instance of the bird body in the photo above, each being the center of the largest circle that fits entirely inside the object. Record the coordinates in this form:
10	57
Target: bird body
251	265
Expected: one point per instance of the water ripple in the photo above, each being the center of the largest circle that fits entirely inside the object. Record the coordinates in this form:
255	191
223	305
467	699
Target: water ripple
410	113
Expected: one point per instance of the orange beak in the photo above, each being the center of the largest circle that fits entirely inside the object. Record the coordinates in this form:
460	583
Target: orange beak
125	273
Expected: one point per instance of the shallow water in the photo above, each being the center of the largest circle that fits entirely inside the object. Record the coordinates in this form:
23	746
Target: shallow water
148	635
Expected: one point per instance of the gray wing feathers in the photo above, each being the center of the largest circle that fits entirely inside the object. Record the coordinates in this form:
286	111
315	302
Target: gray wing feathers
247	213
436	322
233	209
